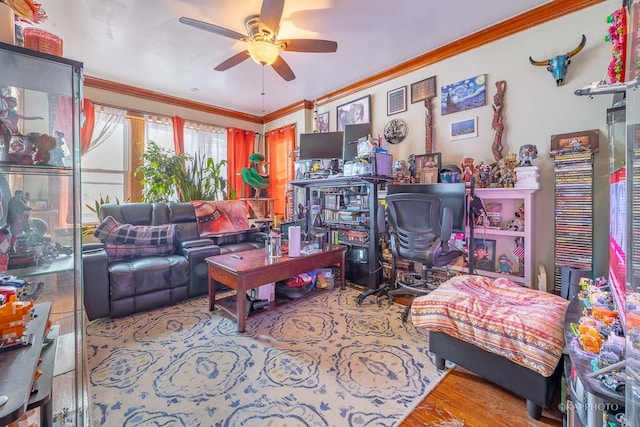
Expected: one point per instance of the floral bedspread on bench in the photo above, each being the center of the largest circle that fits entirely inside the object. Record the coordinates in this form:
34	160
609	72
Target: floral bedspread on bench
526	326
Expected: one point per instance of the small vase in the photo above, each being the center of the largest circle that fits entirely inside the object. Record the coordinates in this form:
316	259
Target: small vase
7	24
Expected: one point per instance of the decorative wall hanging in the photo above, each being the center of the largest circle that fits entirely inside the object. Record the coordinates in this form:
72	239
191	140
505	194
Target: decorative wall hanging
463	129
395	131
558	65
463	95
323	122
354	112
397	100
423	89
428	140
497	124
617	36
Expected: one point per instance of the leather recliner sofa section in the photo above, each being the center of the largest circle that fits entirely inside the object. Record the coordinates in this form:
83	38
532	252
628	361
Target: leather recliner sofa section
120	287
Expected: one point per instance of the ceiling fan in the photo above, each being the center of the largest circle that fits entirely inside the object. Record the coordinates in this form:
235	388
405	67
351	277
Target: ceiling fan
263	45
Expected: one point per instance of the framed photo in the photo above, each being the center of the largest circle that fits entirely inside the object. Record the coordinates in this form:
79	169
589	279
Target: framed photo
424	89
463	95
463	129
483	252
354	112
577	141
397	100
323	122
428	167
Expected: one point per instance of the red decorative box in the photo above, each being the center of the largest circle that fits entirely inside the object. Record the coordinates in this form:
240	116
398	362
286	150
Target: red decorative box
42	41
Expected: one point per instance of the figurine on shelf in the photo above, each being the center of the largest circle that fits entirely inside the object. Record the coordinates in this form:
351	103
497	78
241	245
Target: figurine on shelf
504	264
18	214
527	153
467	169
484	179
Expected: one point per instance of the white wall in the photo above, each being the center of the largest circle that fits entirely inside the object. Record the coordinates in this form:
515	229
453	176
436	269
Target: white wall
535	109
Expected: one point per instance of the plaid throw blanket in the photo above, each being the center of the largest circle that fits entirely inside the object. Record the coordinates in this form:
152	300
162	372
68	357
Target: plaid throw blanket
112	232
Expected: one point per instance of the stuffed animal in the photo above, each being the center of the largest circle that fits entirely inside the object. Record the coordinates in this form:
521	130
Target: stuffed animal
43	144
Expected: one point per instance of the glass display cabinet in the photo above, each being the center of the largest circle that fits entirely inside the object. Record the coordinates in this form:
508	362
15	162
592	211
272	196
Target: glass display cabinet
632	205
40	230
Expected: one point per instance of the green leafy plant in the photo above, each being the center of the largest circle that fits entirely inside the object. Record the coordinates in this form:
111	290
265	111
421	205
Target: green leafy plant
160	171
203	180
165	174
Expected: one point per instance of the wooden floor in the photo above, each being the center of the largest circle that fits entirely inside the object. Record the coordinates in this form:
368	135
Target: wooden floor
464	399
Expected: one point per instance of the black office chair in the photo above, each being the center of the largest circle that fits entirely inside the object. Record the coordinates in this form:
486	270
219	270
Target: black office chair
417	232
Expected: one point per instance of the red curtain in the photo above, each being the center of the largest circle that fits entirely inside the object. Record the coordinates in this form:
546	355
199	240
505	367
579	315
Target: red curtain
281	142
64	117
86	133
178	134
240	145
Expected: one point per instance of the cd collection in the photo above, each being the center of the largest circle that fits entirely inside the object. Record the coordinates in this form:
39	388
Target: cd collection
573	213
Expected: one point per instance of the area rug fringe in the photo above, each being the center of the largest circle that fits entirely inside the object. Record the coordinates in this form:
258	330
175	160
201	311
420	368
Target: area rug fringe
324	361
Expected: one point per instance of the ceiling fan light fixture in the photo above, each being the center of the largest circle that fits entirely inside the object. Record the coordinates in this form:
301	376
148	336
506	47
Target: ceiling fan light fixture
263	52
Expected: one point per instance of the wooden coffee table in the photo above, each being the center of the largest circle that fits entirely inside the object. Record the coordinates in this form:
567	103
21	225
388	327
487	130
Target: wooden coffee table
254	269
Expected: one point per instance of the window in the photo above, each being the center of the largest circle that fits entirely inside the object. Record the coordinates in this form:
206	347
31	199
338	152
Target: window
160	131
207	141
105	170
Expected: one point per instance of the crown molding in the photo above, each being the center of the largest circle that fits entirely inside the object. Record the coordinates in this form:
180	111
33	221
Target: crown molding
548	12
166	99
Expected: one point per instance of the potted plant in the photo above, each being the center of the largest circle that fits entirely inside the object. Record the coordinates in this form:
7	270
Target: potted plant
167	175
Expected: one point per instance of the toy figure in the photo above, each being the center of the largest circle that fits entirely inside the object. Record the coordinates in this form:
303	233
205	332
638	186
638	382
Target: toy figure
18	214
467	169
527	153
485	175
504	264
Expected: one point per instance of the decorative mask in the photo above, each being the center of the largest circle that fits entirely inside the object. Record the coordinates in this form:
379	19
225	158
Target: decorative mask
558	65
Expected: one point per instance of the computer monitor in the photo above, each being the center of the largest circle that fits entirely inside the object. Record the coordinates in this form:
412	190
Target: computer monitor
352	133
452	195
323	145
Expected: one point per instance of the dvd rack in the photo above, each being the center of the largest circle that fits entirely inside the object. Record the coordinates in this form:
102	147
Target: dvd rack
573	172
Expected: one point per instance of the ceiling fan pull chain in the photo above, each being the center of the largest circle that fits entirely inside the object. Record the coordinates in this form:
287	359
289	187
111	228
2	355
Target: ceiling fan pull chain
262	93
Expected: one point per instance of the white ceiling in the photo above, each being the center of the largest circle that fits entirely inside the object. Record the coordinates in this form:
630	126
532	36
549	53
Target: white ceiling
141	43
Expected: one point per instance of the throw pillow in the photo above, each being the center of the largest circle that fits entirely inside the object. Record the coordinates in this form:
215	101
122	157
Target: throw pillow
220	218
111	231
122	252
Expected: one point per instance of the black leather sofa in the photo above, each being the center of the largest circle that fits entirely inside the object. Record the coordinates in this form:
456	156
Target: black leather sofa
120	288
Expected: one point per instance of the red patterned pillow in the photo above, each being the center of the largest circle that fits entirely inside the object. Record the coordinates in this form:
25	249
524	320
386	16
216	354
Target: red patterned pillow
220	218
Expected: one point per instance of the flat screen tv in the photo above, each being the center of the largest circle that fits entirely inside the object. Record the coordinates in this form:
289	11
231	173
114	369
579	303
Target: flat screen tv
352	133
322	145
452	195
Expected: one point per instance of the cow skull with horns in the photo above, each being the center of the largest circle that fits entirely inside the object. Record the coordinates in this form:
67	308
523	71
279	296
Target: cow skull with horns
558	65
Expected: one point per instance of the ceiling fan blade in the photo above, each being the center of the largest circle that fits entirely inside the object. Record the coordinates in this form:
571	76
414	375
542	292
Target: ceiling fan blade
233	61
270	14
309	45
212	28
283	69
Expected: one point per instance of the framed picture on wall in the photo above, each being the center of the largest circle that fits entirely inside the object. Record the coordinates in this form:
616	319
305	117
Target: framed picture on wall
463	129
354	112
323	122
423	89
397	100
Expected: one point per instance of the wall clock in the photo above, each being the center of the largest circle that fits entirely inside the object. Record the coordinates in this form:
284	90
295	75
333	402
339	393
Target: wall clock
395	131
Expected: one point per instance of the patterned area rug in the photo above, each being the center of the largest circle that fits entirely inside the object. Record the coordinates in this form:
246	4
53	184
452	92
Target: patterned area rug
323	361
